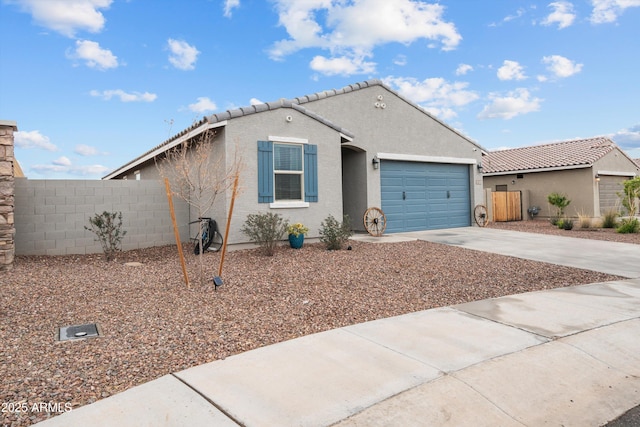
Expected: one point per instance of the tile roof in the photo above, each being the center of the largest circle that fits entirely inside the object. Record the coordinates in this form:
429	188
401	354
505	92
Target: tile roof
559	155
637	161
296	104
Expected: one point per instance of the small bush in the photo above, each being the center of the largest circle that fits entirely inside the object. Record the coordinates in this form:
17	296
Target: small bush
565	224
629	225
584	221
560	202
610	219
107	227
334	234
265	230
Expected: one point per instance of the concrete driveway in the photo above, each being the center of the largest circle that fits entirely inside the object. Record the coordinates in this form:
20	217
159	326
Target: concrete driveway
622	259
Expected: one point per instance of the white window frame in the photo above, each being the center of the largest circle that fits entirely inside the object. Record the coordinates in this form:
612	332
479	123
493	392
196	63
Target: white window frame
300	173
283	204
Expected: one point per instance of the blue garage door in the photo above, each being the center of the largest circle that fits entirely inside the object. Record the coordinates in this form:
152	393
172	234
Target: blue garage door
424	196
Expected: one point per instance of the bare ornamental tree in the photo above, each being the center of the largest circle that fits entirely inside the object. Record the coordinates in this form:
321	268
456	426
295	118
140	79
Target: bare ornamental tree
198	172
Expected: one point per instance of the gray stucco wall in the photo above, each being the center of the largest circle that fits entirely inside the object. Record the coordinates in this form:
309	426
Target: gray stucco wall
398	128
241	135
576	184
50	215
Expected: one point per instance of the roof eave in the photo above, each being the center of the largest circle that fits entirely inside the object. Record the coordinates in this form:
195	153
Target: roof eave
163	148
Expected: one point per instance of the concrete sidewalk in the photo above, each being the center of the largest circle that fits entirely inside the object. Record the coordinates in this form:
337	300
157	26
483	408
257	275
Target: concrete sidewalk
568	356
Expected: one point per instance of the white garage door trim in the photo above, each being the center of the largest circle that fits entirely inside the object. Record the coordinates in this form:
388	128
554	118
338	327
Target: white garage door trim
425	159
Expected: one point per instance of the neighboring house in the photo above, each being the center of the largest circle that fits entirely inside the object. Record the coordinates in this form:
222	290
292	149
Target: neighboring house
590	172
340	151
17	170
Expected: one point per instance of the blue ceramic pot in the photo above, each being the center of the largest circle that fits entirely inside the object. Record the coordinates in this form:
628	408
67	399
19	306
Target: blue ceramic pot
296	242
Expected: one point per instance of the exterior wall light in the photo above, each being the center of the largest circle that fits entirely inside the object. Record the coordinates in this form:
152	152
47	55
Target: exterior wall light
597	177
479	165
375	162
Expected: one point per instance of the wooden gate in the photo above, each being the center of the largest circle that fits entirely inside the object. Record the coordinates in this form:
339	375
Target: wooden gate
507	206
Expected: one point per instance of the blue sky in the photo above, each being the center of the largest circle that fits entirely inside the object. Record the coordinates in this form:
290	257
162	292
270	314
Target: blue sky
93	84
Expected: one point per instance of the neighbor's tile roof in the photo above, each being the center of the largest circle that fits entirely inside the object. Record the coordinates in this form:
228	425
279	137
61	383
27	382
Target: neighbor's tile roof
559	155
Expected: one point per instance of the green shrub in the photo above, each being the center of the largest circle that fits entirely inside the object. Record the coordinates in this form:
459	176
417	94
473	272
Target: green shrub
630	194
629	225
560	201
610	219
265	229
333	233
565	224
107	227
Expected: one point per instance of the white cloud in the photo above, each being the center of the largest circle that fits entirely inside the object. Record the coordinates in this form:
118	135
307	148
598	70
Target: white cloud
255	101
400	60
517	15
511	70
87	150
60	166
66	16
62	161
343	65
94	55
435	95
463	69
203	105
350	30
561	66
33	139
607	11
183	55
628	139
124	96
563	14
229	5
513	104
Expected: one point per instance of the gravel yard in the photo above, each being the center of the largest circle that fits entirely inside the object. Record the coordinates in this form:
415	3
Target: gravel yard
153	325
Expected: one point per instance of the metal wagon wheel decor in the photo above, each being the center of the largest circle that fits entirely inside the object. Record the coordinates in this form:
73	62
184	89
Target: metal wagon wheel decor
375	222
480	215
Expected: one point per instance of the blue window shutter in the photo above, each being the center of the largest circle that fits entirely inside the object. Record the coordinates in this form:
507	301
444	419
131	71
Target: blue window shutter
310	173
265	171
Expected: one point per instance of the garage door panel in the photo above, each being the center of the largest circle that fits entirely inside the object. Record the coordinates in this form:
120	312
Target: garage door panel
609	187
437	208
416	182
416	208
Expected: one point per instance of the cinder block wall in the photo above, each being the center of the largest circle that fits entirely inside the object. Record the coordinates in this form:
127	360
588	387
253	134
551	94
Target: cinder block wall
7	200
50	215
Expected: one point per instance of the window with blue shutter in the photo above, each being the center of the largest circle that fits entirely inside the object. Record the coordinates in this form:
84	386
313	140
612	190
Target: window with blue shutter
285	169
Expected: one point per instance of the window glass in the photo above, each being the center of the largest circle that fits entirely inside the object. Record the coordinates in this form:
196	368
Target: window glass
287	170
288	187
287	157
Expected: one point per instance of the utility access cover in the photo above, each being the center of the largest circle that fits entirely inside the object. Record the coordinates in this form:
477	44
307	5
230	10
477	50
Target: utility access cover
90	330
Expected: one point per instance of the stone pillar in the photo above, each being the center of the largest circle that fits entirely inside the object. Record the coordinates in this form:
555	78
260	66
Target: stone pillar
7	205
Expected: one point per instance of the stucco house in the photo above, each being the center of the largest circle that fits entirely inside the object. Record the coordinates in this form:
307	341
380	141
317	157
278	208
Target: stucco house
588	171
340	151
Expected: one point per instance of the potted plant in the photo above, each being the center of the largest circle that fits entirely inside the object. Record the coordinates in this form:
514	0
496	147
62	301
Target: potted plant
296	234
